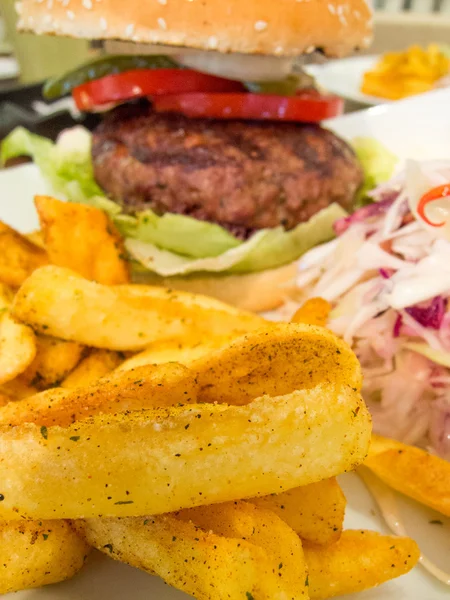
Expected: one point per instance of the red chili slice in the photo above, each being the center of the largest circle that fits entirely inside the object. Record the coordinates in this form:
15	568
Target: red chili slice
437	193
304	107
121	87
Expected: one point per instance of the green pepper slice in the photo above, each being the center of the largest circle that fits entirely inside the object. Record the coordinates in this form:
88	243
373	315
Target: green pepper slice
110	65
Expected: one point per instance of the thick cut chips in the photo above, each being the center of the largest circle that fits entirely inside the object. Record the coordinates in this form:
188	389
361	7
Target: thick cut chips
202	564
411	471
155	461
275	362
17	347
145	387
18	257
96	365
33	554
358	561
60	303
82	238
54	360
261	527
315	512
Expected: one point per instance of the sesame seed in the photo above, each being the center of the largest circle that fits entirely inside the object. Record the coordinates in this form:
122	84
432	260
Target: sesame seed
260	25
19	8
332	9
103	24
70	15
20	24
65	3
357	14
163	2
30	21
39	1
213	42
47	20
49	4
278	50
162	23
129	30
87	4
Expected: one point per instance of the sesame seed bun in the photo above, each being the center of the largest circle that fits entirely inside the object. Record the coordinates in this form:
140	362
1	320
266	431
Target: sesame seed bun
279	28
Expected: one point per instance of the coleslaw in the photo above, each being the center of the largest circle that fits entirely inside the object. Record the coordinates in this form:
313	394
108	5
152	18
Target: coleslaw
387	275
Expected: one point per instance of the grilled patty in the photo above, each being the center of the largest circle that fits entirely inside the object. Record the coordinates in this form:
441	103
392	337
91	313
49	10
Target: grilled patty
242	175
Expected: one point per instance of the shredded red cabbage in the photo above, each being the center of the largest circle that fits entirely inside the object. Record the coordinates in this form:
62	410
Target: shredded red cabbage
431	314
397	326
371	210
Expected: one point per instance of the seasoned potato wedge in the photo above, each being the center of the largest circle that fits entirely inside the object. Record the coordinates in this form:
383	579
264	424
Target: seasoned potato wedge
155	461
97	364
201	563
53	361
260	527
358	561
411	471
84	239
33	554
180	351
17	347
287	357
58	302
315	512
145	387
18	257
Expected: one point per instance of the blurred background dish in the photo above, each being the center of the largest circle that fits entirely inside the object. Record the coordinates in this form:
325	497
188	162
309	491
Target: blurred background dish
344	76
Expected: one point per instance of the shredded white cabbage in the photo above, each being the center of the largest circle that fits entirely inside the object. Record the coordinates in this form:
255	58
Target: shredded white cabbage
387	276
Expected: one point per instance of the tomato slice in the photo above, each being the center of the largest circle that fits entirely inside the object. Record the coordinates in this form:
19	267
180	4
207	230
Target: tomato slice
305	106
437	193
121	87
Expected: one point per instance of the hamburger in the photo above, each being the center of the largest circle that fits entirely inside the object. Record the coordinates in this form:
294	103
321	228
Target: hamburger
209	155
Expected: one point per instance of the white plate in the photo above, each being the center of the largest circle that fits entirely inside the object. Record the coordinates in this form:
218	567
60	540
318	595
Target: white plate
418	127
9	67
344	77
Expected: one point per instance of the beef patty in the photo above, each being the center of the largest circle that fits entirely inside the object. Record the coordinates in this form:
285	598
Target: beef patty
242	175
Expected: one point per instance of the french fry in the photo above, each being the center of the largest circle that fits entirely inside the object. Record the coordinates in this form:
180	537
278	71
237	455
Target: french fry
260	527
155	461
314	311
18	257
202	564
17	341
33	554
145	387
358	561
84	239
53	361
184	352
97	364
315	512
17	347
411	471
57	302
17	389
36	237
276	361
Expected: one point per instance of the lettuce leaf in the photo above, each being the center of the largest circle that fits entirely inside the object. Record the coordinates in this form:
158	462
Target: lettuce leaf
378	164
266	249
171	244
178	233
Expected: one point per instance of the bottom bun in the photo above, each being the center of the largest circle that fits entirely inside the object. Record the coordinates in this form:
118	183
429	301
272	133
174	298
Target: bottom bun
256	292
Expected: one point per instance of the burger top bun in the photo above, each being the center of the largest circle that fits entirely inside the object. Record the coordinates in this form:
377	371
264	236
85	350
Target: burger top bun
270	27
